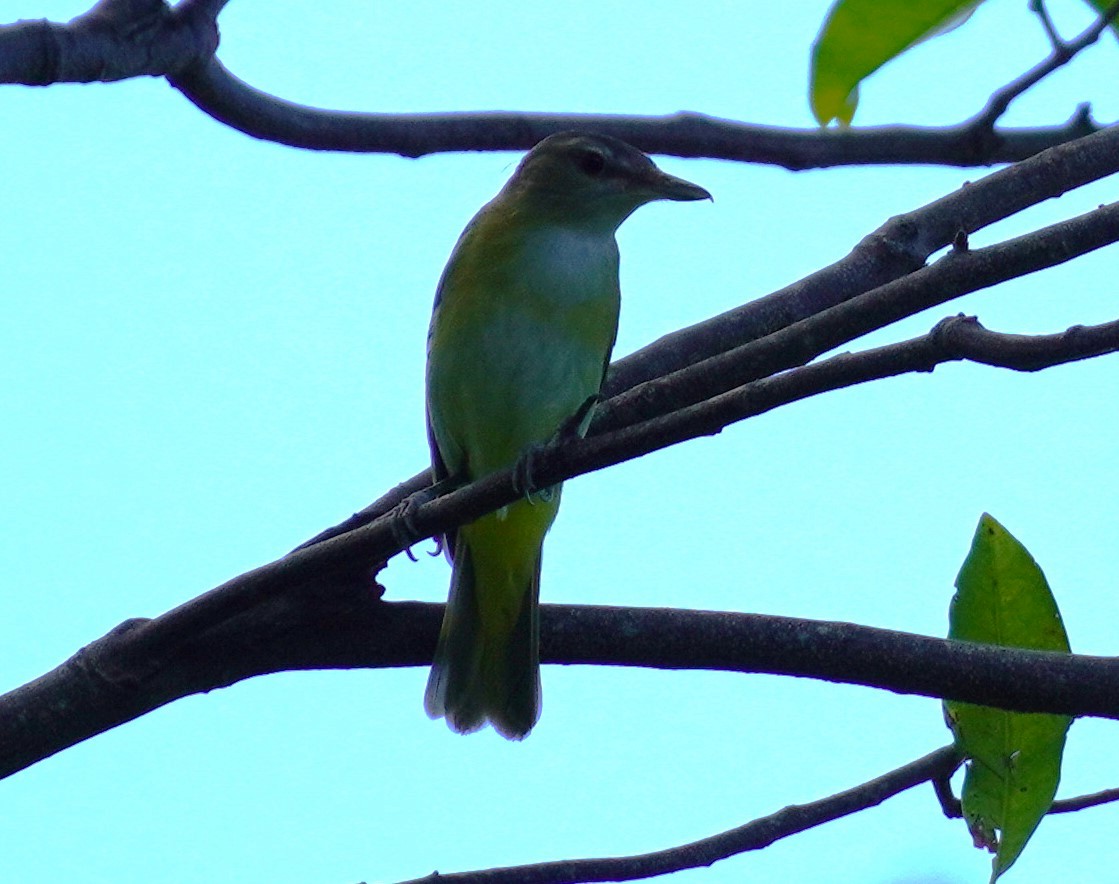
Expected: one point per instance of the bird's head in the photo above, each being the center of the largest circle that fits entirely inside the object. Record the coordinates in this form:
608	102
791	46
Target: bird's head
592	180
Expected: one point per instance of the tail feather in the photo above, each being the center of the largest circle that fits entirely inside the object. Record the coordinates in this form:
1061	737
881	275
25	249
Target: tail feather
458	659
480	674
514	682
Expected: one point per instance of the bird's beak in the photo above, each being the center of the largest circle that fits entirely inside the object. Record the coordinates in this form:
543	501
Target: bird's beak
669	187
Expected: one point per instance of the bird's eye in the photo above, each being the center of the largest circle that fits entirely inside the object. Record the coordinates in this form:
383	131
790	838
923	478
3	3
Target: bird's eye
591	162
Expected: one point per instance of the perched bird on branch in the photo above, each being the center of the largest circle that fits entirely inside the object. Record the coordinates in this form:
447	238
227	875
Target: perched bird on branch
525	317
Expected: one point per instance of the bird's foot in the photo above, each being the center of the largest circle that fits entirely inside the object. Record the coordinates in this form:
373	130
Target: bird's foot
575	427
402	517
523	481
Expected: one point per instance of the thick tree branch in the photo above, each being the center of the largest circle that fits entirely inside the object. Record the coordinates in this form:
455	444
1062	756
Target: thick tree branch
957	273
316	608
752	836
344	626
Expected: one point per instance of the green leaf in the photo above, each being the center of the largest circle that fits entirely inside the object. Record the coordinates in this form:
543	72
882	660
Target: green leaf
1102	6
1014	763
859	36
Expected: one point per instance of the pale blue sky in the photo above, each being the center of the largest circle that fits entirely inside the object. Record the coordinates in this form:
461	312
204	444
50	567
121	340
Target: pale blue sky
213	348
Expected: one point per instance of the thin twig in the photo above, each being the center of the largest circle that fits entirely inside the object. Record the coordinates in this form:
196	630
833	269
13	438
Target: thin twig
953	809
949	804
754	835
1062	53
1082	802
1039	8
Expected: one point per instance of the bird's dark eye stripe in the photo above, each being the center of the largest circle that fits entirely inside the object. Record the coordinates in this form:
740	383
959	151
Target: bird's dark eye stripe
591	162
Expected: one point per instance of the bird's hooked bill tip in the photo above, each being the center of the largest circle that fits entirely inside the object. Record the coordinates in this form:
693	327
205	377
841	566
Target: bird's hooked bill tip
670	187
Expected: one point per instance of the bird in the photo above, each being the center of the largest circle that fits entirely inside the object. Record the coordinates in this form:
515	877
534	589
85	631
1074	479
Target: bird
525	318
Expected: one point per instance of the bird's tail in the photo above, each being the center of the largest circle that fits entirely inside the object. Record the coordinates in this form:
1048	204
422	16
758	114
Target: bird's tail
487	661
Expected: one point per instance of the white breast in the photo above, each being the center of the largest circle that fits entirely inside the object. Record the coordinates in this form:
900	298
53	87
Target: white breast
570	265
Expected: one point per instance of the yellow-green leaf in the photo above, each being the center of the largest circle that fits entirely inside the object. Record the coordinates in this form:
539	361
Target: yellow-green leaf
859	36
1014	758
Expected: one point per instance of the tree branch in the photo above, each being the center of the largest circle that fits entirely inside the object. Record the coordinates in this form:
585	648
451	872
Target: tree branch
1061	55
314	609
1039	9
969	340
953	339
119	39
220	94
217	92
752	836
341	625
1083	802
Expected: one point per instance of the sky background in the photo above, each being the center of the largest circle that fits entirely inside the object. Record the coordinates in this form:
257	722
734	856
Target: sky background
213	348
